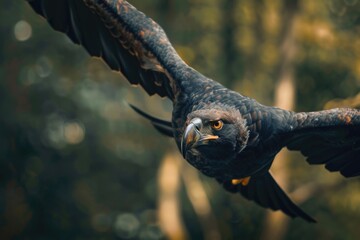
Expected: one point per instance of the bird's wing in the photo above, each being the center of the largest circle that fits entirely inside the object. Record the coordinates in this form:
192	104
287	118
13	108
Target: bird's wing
123	37
330	137
267	193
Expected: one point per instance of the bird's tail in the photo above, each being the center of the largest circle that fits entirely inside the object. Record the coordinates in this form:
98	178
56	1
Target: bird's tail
164	127
265	191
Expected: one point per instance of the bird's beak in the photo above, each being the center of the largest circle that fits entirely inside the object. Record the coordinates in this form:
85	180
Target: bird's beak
193	137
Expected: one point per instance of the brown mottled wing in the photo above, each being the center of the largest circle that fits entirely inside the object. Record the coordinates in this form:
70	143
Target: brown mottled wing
330	137
123	37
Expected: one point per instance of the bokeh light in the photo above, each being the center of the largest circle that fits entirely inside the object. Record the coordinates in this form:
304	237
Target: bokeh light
43	67
22	31
74	132
126	225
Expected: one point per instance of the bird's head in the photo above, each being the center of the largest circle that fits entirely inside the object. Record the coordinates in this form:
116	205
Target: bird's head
215	134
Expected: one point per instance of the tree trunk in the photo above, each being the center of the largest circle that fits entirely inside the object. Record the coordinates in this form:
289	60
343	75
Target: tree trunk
168	202
200	202
276	222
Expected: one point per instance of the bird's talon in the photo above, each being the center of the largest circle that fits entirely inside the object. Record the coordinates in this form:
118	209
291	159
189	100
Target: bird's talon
243	181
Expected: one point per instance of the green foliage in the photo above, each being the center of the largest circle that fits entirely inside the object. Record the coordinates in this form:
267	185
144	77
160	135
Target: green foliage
77	163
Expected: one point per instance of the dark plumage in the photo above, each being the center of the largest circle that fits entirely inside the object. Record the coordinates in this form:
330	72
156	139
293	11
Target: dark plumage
220	132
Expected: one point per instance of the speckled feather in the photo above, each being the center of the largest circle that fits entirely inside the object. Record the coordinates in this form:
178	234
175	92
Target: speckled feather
133	44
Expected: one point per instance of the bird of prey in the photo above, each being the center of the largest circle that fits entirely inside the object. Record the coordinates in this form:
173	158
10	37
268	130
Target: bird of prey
222	133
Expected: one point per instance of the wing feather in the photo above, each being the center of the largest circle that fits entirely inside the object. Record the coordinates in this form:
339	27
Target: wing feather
351	169
330	137
123	37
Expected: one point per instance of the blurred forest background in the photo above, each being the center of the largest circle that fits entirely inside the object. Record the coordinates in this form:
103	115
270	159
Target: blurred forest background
77	163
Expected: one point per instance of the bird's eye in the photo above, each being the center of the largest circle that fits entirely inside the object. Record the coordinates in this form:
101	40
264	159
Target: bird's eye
217	125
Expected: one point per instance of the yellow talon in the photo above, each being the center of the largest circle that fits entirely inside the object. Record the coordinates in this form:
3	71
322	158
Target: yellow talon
236	181
244	181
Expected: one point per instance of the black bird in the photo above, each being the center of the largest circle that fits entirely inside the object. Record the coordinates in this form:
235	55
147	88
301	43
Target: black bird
223	134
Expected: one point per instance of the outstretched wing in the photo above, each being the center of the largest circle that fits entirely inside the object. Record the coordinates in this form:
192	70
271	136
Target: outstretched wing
330	137
267	193
123	37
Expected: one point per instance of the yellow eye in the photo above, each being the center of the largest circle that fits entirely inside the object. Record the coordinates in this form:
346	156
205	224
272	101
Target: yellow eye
217	125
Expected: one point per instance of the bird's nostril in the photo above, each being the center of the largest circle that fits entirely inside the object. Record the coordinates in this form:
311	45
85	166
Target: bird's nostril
197	123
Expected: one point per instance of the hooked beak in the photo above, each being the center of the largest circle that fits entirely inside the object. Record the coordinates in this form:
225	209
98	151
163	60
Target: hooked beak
193	137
